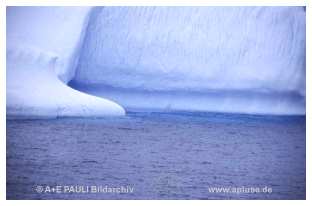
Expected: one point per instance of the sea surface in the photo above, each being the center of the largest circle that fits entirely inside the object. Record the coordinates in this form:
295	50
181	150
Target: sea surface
148	155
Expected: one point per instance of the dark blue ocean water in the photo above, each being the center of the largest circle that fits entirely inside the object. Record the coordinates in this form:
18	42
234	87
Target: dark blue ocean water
158	155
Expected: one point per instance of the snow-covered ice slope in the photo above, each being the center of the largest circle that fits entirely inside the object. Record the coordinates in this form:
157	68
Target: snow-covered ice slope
43	46
227	59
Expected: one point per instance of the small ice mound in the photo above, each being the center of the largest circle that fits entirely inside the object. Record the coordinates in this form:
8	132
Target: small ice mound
34	90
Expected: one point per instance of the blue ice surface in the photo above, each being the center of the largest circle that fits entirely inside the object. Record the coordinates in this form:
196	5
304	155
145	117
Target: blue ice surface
173	155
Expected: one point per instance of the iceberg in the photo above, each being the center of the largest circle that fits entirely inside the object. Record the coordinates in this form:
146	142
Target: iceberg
83	61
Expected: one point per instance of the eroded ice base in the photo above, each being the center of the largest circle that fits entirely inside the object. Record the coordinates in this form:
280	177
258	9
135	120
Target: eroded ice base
224	101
